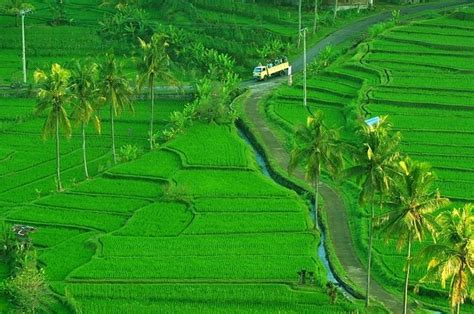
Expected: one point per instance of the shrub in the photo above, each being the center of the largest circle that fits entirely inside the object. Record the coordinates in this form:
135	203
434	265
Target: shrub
28	289
127	24
179	122
213	101
396	16
128	152
59	13
379	28
325	59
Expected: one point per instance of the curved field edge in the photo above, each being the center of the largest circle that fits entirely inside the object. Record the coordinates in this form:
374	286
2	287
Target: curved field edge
144	212
365	98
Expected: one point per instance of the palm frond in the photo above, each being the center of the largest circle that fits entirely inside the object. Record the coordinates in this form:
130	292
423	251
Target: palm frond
49	125
64	122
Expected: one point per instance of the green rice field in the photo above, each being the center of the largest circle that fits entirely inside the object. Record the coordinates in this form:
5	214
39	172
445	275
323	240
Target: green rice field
192	226
421	75
150	233
195	225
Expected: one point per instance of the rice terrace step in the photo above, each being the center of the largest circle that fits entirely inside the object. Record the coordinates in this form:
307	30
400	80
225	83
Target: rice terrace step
144	170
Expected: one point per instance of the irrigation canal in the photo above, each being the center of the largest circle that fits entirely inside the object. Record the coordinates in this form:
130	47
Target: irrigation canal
321	250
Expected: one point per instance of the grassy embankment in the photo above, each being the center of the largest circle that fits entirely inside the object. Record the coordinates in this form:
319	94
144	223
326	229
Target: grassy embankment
419	74
193	225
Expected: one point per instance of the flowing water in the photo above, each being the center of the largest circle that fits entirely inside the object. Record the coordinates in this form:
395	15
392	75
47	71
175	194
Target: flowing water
322	254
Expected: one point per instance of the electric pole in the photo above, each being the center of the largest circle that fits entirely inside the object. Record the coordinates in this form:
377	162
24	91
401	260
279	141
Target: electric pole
304	30
305	93
299	23
23	13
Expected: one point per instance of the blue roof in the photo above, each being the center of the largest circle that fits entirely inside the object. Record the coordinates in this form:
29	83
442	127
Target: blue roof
372	121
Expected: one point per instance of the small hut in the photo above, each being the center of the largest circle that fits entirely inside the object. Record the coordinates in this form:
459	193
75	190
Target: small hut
347	4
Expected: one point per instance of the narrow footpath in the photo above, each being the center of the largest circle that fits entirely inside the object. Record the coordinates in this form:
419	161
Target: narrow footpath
336	212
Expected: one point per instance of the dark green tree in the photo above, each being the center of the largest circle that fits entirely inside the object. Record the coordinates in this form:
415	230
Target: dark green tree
58	10
127	24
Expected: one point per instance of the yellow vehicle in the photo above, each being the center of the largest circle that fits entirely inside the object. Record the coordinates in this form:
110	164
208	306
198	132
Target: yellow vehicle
278	66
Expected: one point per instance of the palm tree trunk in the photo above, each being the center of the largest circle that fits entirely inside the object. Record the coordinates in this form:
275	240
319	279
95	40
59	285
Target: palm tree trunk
316	201
152	94
86	171
299	23
369	260
407	276
335	11
58	162
315	16
459	285
113	133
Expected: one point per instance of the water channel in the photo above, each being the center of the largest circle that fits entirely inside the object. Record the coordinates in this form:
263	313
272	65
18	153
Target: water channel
321	251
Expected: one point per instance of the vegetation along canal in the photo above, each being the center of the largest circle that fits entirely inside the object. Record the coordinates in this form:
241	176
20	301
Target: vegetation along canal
321	251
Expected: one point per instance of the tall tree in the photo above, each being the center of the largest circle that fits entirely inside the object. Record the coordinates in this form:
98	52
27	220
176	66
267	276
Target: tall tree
316	146
154	64
374	169
116	90
86	100
414	200
53	96
452	258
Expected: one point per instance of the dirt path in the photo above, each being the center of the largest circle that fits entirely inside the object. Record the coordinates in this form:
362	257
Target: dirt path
337	214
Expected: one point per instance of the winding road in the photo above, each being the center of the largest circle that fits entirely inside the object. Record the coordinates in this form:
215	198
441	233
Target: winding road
337	215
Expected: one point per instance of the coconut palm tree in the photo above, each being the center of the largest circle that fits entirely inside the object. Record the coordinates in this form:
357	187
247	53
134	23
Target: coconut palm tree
153	65
115	89
414	199
86	100
53	96
316	146
374	168
452	258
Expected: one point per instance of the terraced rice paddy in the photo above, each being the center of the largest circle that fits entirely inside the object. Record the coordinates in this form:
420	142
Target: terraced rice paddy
195	226
222	26
422	76
192	225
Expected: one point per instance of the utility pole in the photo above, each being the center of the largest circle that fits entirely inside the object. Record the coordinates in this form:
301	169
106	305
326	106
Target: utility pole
315	16
23	13
305	104
305	93
304	30
299	22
